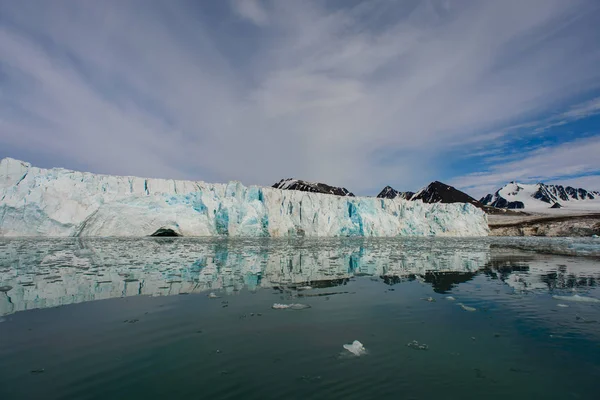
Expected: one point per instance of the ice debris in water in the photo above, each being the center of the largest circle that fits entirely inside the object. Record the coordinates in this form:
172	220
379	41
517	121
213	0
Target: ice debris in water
295	306
417	346
212	295
356	348
450	298
595	236
578	298
429	299
466	308
562	305
305	288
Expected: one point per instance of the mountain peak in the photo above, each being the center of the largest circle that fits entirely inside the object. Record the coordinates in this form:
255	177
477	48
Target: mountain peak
314	187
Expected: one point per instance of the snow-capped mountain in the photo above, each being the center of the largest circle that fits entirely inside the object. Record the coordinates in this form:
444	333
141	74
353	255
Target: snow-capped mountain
540	196
389	192
313	187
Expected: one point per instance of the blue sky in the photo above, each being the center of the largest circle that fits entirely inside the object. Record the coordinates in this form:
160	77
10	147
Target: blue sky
359	94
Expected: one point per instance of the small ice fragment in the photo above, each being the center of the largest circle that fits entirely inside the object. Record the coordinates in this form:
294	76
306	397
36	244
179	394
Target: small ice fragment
576	297
595	236
305	288
296	306
450	298
212	295
417	346
466	308
562	305
356	348
429	299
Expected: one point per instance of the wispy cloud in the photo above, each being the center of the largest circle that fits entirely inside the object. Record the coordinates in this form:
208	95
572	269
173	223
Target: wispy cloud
259	90
251	10
547	164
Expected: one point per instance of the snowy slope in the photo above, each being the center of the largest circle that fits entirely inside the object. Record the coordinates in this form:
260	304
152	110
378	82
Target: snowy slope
59	202
541	197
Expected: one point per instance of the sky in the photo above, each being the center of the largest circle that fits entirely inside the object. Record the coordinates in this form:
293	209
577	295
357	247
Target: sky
359	94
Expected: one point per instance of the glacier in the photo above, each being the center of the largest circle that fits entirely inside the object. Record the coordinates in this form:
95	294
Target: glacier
61	202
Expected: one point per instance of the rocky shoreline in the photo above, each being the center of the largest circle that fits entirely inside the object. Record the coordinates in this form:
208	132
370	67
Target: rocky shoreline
581	225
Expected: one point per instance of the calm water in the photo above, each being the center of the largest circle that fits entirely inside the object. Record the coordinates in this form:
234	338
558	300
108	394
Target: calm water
135	319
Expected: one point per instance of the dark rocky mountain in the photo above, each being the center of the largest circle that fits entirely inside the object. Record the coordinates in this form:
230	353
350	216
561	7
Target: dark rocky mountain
498	201
438	192
314	187
389	192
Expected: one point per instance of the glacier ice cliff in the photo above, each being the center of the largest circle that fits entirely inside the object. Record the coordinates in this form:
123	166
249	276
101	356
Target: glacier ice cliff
60	202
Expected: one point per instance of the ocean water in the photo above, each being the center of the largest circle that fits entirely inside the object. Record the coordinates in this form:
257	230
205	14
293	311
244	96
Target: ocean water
194	319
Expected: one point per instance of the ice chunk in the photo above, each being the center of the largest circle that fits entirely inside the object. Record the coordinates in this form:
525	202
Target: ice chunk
562	305
466	308
576	297
59	202
295	306
356	348
450	298
417	346
212	295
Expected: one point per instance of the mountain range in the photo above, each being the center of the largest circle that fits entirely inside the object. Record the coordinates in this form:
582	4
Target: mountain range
513	196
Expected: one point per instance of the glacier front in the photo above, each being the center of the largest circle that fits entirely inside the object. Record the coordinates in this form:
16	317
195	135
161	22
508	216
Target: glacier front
60	202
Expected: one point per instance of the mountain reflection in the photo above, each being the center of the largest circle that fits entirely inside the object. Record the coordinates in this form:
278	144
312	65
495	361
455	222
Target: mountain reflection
53	272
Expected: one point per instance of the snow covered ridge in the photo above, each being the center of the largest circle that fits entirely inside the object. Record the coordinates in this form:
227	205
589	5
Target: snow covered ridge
540	196
59	202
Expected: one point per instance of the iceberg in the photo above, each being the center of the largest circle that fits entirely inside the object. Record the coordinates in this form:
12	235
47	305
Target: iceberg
60	202
356	348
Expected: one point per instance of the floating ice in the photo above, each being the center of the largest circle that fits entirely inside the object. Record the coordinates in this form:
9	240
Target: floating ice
356	348
417	346
429	299
466	308
212	295
576	297
450	298
295	306
59	202
562	305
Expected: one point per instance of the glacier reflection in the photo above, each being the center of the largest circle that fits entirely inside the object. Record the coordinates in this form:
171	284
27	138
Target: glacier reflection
53	272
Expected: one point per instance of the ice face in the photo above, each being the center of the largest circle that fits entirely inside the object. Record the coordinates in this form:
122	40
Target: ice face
59	202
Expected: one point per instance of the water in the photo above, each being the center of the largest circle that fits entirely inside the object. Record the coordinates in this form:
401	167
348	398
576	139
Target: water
156	333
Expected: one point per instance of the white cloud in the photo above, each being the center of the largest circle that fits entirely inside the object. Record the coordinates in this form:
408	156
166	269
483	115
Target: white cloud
251	10
316	93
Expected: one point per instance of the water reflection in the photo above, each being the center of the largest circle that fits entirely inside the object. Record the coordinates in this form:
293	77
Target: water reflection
52	272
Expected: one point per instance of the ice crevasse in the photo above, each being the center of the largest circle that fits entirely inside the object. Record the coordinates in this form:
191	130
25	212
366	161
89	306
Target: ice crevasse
60	202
